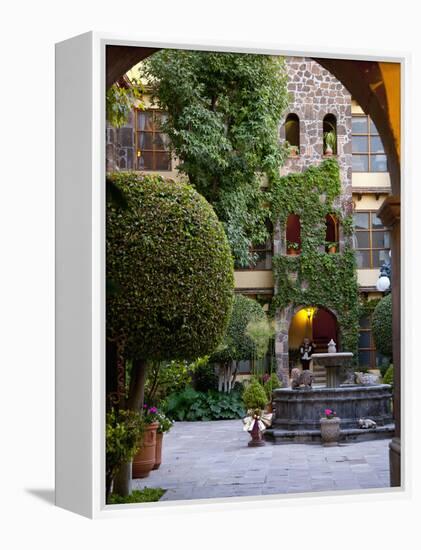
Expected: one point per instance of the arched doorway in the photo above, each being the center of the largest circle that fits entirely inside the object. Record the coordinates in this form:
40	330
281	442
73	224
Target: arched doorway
316	323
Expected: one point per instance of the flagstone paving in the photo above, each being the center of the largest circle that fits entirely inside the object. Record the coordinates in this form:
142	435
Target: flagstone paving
212	460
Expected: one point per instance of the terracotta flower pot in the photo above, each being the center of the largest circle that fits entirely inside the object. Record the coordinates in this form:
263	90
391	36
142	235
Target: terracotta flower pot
158	454
330	431
145	458
332	250
293	252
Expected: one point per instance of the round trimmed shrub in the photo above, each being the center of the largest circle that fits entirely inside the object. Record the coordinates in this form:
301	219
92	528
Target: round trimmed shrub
169	270
381	325
254	396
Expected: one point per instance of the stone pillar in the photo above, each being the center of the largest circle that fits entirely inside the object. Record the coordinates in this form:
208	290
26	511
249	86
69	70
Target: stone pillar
389	213
282	321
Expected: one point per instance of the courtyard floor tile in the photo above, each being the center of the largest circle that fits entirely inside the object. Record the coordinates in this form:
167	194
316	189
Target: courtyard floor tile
212	460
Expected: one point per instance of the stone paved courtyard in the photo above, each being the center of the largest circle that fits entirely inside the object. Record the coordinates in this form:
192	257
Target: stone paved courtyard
212	460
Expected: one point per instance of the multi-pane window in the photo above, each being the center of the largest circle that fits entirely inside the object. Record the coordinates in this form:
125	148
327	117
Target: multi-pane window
367	149
152	145
368	356
263	255
372	240
366	346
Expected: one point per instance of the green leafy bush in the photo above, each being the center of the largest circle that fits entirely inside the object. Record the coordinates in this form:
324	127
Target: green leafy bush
223	122
254	396
238	345
192	405
204	376
381	325
148	494
271	384
124	430
167	377
171	270
388	377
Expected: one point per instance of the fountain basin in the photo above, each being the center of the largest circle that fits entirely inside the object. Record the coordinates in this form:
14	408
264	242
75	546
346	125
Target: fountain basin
334	364
298	412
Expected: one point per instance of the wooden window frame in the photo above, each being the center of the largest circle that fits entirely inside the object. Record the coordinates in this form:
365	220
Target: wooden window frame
370	232
372	349
153	151
369	154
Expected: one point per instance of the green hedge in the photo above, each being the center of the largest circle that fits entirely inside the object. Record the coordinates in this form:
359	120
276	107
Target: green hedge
169	270
381	325
193	405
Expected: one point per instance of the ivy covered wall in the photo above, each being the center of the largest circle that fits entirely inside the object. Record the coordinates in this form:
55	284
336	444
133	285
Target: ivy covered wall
314	277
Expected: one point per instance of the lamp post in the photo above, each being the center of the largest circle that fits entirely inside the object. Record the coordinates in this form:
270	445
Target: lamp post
384	281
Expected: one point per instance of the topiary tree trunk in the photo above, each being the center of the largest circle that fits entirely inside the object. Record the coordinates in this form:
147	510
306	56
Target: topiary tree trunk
135	399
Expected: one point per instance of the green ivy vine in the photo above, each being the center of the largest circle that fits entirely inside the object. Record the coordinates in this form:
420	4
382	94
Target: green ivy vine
315	278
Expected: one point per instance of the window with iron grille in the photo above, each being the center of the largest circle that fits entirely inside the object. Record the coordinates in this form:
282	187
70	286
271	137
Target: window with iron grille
367	149
152	145
372	240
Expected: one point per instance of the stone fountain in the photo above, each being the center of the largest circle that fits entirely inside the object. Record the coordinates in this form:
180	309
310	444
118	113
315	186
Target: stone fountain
298	411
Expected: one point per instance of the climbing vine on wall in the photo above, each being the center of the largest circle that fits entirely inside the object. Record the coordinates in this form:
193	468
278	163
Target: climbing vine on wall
315	278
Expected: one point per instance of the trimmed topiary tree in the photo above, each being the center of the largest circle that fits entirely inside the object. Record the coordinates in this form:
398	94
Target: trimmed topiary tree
254	396
169	276
381	325
238	343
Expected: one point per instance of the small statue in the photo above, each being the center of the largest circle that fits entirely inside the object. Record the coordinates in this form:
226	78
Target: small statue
366	379
331	347
301	378
366	423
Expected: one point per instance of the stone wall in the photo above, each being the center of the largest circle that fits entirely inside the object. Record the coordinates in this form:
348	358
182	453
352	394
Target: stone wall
314	93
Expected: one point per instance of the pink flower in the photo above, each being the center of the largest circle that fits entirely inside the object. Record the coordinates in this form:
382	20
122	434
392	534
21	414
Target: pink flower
328	411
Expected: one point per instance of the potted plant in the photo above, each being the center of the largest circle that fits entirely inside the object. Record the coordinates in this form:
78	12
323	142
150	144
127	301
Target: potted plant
332	247
293	151
330	430
255	399
271	383
165	424
329	143
124	430
145	458
292	248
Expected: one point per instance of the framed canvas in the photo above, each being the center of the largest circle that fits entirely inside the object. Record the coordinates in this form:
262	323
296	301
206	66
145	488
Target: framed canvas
228	273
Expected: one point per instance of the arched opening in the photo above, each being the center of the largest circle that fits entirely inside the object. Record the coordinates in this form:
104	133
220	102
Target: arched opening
293	234
325	328
292	133
330	142
332	234
318	324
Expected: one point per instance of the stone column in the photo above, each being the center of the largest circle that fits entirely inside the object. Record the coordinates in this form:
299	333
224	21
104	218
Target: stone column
282	320
389	213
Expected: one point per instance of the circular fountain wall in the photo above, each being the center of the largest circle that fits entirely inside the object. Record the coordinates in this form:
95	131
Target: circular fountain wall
302	409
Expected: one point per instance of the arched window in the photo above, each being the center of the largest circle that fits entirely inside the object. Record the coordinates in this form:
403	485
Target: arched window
293	234
332	234
292	133
330	143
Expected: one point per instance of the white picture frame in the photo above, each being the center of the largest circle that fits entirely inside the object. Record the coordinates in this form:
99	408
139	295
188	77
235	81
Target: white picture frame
80	267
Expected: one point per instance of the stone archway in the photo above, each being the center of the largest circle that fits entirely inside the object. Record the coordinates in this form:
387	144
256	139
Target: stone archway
284	320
